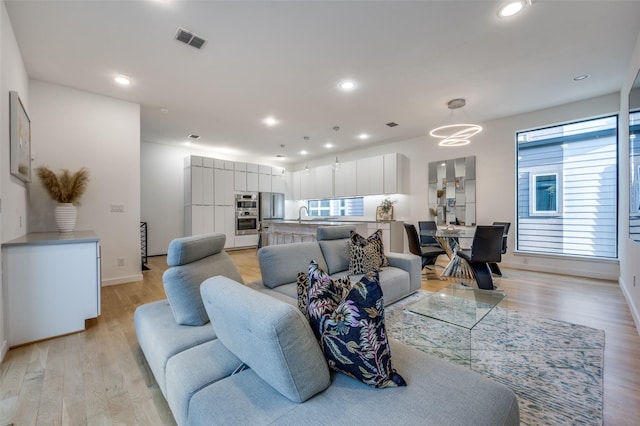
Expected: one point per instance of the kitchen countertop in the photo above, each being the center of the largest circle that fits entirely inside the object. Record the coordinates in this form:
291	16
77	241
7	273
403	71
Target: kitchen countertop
316	222
43	238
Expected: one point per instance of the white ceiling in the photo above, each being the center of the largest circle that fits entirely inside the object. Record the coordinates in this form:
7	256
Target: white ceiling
285	58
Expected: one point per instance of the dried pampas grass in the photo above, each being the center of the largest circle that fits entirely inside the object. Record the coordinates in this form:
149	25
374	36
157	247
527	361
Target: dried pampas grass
64	187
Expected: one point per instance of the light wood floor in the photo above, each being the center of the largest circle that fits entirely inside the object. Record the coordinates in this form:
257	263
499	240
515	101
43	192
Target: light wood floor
100	377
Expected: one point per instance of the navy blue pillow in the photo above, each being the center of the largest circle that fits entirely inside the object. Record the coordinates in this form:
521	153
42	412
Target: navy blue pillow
353	336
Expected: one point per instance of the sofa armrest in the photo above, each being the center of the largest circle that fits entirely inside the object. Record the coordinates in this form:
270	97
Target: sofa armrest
410	263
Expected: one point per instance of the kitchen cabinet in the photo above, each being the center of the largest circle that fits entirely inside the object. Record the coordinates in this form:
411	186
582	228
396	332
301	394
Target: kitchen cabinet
345	179
52	284
296	178
253	182
224	222
308	184
393	173
324	181
370	175
223	184
253	168
265	182
199	188
240	181
392	234
279	184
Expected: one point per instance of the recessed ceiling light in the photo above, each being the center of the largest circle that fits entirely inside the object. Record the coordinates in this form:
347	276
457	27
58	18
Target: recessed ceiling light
510	8
270	121
164	110
303	152
329	145
581	77
347	85
123	80
187	143
363	136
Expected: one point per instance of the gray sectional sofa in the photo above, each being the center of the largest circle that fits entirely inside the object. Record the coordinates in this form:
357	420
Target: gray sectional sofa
257	362
280	264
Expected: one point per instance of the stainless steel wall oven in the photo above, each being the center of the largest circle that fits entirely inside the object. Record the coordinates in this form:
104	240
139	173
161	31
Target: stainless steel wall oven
247	213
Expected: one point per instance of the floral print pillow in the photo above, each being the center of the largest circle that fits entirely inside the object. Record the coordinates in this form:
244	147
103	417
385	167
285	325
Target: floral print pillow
323	293
352	333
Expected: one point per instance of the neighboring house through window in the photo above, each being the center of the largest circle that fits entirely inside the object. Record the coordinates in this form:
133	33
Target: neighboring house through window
567	189
336	207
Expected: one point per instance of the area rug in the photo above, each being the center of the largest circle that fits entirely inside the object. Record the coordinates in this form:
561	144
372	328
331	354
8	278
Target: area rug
555	368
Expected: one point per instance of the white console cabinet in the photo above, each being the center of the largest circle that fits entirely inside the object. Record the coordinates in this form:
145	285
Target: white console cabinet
52	284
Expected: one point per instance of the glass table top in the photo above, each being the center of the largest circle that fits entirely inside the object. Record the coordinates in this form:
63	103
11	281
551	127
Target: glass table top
458	305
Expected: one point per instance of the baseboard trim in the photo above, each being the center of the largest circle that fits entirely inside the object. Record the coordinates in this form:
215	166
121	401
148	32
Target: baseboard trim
634	311
122	280
562	271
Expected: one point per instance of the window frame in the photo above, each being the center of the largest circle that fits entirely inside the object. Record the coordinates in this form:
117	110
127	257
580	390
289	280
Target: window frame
533	193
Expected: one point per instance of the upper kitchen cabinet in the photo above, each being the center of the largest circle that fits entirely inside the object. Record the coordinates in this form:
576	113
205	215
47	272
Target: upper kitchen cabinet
394	170
279	181
324	181
370	176
345	179
308	184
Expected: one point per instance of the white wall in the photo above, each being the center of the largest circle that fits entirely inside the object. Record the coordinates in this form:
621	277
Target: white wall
494	149
629	250
73	129
13	192
162	201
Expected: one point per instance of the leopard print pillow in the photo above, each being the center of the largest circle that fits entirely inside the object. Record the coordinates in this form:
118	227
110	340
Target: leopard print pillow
374	239
363	259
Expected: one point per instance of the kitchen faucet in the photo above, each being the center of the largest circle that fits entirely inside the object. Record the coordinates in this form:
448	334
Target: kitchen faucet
300	212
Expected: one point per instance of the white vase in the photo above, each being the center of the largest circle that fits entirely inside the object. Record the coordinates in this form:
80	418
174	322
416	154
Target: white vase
66	214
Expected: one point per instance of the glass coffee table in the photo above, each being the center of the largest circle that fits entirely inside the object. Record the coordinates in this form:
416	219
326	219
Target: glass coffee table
444	322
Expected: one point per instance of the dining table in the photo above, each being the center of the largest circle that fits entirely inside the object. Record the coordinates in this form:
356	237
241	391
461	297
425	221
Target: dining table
449	239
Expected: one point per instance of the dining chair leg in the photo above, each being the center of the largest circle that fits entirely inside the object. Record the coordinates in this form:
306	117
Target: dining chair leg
495	269
482	274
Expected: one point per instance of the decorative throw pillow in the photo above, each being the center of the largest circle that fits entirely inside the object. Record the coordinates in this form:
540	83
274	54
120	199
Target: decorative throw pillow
353	336
302	283
363	259
323	292
374	239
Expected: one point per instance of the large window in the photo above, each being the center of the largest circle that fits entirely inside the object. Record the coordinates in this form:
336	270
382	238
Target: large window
336	207
567	189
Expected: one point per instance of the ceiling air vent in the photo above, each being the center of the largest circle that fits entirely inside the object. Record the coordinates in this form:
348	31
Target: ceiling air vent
190	38
392	124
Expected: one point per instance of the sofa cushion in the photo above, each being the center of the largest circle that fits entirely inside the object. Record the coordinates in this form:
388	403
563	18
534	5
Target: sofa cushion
280	264
374	239
160	338
334	232
272	337
438	393
395	283
336	254
193	369
193	260
363	259
353	335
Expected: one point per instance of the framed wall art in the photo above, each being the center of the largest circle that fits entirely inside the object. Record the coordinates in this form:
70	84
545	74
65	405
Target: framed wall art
20	128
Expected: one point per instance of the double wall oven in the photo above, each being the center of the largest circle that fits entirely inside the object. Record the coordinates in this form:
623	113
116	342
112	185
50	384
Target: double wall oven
247	213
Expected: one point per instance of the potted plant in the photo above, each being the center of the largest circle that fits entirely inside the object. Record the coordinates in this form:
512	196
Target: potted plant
385	209
66	189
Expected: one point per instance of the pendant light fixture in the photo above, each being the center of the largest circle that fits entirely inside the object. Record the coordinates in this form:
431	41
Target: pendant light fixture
336	165
306	166
455	134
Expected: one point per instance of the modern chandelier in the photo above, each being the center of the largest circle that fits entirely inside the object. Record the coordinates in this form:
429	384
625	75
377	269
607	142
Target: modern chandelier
455	134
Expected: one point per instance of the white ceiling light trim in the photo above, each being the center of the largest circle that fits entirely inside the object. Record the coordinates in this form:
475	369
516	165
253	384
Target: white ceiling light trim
271	121
511	8
347	85
123	80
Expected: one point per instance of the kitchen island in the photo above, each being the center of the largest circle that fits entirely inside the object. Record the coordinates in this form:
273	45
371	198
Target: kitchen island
286	231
